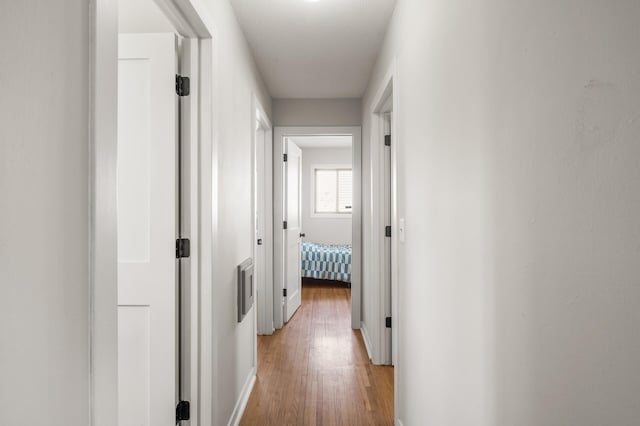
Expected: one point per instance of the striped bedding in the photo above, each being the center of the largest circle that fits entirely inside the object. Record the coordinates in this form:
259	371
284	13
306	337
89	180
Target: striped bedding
326	261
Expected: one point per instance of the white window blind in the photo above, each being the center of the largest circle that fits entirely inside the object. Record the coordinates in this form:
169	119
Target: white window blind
344	191
333	191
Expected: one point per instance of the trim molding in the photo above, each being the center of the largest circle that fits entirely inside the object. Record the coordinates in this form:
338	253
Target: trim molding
241	404
102	244
366	338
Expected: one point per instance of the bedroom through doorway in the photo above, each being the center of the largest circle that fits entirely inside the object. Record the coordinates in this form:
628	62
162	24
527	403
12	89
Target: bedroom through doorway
327	208
317	217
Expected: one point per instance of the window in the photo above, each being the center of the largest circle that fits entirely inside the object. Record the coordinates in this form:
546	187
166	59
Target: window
332	190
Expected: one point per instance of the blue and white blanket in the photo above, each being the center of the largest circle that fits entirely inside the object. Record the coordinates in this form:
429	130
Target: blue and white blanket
326	261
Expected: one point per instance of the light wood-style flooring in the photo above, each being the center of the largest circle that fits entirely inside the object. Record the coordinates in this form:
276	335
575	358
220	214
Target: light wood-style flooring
315	371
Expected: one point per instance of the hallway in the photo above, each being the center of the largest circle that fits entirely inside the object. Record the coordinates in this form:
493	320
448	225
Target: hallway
154	198
315	370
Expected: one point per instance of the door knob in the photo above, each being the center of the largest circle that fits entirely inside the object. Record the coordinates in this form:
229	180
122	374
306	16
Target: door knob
302	235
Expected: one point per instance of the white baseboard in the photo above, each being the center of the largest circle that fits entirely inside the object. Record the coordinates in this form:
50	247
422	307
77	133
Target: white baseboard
241	404
366	338
399	422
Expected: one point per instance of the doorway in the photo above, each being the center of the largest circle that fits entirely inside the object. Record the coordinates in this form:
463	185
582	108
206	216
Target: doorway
386	231
263	218
388	195
146	190
291	241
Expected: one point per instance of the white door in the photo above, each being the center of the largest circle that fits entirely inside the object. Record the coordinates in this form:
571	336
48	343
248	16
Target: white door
387	242
147	202
293	217
259	222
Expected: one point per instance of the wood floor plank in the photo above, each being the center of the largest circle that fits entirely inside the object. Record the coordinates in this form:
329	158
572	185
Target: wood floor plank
315	370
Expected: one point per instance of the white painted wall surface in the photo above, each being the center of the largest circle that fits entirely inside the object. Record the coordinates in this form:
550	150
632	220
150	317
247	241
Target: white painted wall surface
44	211
317	229
317	112
236	79
518	128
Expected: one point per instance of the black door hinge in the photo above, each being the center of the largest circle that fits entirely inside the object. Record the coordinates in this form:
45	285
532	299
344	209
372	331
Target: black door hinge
284	292
285	158
387	140
387	322
183	248
182	85
387	231
284	225
183	411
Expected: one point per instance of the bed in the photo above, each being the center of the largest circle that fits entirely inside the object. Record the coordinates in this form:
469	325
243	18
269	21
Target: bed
326	261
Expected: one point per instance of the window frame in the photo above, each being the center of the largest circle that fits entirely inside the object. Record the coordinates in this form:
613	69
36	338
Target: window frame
312	177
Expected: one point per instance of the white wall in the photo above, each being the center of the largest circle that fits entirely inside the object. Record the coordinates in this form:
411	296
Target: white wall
323	230
317	112
236	80
44	211
518	128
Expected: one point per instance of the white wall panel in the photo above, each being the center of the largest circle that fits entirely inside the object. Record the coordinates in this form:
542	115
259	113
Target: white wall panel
236	82
134	161
134	366
44	213
518	144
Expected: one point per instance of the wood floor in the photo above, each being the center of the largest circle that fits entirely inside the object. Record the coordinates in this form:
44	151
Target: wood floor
315	371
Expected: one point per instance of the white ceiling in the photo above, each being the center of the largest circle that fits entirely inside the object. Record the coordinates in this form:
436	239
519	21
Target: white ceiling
322	141
320	49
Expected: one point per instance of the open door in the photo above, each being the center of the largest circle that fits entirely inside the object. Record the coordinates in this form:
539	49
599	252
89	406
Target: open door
292	237
259	251
387	278
147	204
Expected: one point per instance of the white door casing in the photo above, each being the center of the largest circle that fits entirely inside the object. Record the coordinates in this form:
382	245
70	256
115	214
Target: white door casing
293	217
147	202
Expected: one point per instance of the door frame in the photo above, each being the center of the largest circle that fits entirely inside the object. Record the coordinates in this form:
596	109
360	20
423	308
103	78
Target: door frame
386	98
381	345
264	325
292	233
196	27
356	219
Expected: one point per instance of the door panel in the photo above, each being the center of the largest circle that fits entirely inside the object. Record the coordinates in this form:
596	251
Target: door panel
147	202
134	365
134	133
293	216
